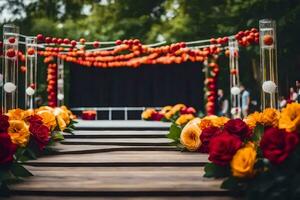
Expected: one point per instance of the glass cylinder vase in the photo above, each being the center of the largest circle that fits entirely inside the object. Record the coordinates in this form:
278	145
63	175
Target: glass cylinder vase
268	63
10	67
31	72
234	78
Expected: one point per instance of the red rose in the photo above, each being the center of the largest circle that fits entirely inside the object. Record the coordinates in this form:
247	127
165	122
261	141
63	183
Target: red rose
223	147
238	127
4	124
35	119
41	134
206	135
7	149
276	144
156	116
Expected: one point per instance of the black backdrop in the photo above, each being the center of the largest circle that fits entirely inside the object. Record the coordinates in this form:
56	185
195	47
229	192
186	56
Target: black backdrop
149	85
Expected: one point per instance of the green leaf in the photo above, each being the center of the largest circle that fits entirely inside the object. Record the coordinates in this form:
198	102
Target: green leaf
258	132
230	183
19	171
58	136
174	133
6	175
30	154
4	190
216	171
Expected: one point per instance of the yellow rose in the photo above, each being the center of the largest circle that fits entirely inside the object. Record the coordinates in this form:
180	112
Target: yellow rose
183	119
290	117
63	114
252	119
165	109
28	113
242	164
190	136
61	123
177	108
168	115
18	132
48	118
15	114
147	113
270	117
219	121
45	108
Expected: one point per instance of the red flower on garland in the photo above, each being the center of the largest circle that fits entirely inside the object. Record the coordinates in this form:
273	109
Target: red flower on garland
206	136
4	124
7	149
276	144
238	127
223	147
40	132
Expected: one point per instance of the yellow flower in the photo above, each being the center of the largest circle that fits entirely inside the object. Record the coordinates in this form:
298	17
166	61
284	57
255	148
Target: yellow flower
147	113
28	113
270	117
63	114
45	108
48	118
61	123
290	117
177	108
252	119
219	121
242	164
165	109
190	136
15	114
18	132
183	119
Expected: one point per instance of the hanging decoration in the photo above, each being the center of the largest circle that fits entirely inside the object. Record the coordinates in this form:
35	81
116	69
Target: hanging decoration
31	72
268	63
52	81
10	68
211	70
234	78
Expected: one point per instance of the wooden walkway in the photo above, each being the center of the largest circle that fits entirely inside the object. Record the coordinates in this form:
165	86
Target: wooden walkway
118	164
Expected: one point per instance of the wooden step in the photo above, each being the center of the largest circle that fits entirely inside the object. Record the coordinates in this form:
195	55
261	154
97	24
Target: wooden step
121	125
116	134
118	141
123	158
119	181
87	149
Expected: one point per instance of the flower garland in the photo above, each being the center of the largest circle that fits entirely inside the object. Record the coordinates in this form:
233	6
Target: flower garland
180	114
26	134
132	53
258	157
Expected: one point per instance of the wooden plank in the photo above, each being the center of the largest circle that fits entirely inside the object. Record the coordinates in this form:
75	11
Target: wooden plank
124	158
118	141
14	197
116	134
121	125
88	149
118	181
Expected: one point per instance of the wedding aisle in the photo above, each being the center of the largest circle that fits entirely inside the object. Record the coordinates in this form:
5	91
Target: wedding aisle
118	164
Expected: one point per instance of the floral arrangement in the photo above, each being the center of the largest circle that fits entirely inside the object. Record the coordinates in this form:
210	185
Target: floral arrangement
197	133
26	134
179	113
258	157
